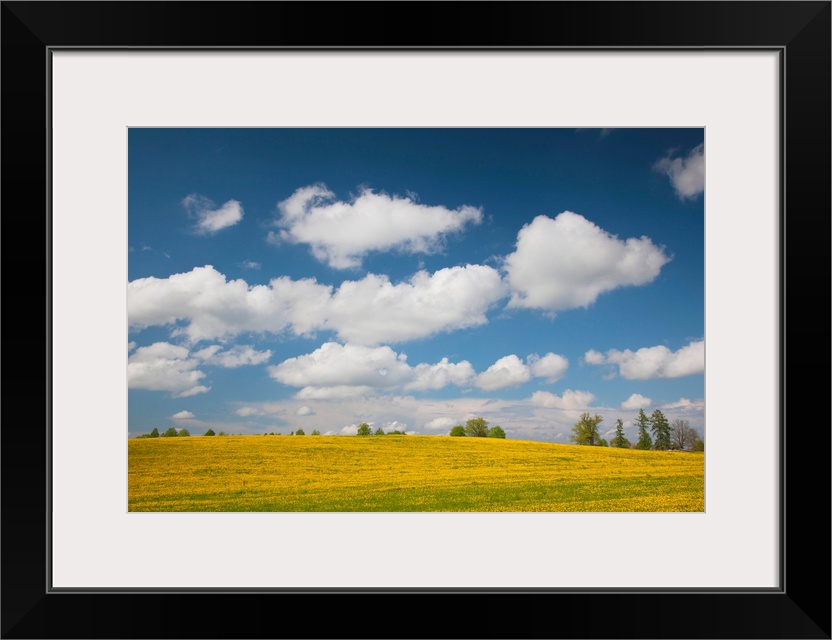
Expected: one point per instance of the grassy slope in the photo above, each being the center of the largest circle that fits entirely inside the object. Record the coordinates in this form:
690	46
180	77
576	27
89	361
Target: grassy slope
405	473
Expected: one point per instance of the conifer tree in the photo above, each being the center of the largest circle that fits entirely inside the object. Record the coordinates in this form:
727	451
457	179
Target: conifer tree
620	439
661	430
644	439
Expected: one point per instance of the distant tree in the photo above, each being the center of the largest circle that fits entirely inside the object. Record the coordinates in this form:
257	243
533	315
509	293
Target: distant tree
183	432
603	443
154	433
477	427
661	431
644	439
585	430
222	433
458	430
170	433
682	436
496	432
379	432
315	432
620	440
364	430
300	432
698	445
210	432
396	433
292	433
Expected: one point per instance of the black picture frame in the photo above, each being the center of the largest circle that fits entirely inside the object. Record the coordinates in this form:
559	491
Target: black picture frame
800	608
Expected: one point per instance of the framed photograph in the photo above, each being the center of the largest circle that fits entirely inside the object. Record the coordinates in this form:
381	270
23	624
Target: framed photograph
234	135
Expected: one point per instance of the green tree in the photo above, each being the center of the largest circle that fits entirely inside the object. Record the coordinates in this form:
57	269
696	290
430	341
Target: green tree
315	432
682	436
183	432
620	439
170	433
644	439
496	432
458	430
477	427
379	432
661	431
585	430
300	432
364	430
210	432
154	433
222	433
603	443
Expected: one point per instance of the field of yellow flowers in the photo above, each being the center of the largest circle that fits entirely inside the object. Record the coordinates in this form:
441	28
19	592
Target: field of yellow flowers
405	474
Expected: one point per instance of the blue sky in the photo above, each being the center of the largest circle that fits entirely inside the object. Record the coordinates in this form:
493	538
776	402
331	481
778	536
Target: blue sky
414	278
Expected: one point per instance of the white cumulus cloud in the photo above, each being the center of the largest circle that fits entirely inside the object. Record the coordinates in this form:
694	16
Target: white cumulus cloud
208	219
346	370
508	371
372	310
183	415
305	411
442	374
687	174
653	362
511	371
568	261
569	400
341	233
165	367
551	366
236	356
440	424
636	401
685	404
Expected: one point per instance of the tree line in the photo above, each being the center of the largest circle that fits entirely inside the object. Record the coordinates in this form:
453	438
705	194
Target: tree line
654	432
170	433
478	428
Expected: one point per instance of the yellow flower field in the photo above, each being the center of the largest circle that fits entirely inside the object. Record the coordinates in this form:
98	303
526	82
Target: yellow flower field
405	474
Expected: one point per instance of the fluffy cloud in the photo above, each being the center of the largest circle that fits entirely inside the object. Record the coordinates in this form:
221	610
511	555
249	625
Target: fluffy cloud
304	411
183	415
373	310
335	364
636	401
341	371
687	174
341	233
568	261
208	219
437	376
165	367
683	404
510	371
236	356
440	424
368	311
551	366
570	400
653	362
